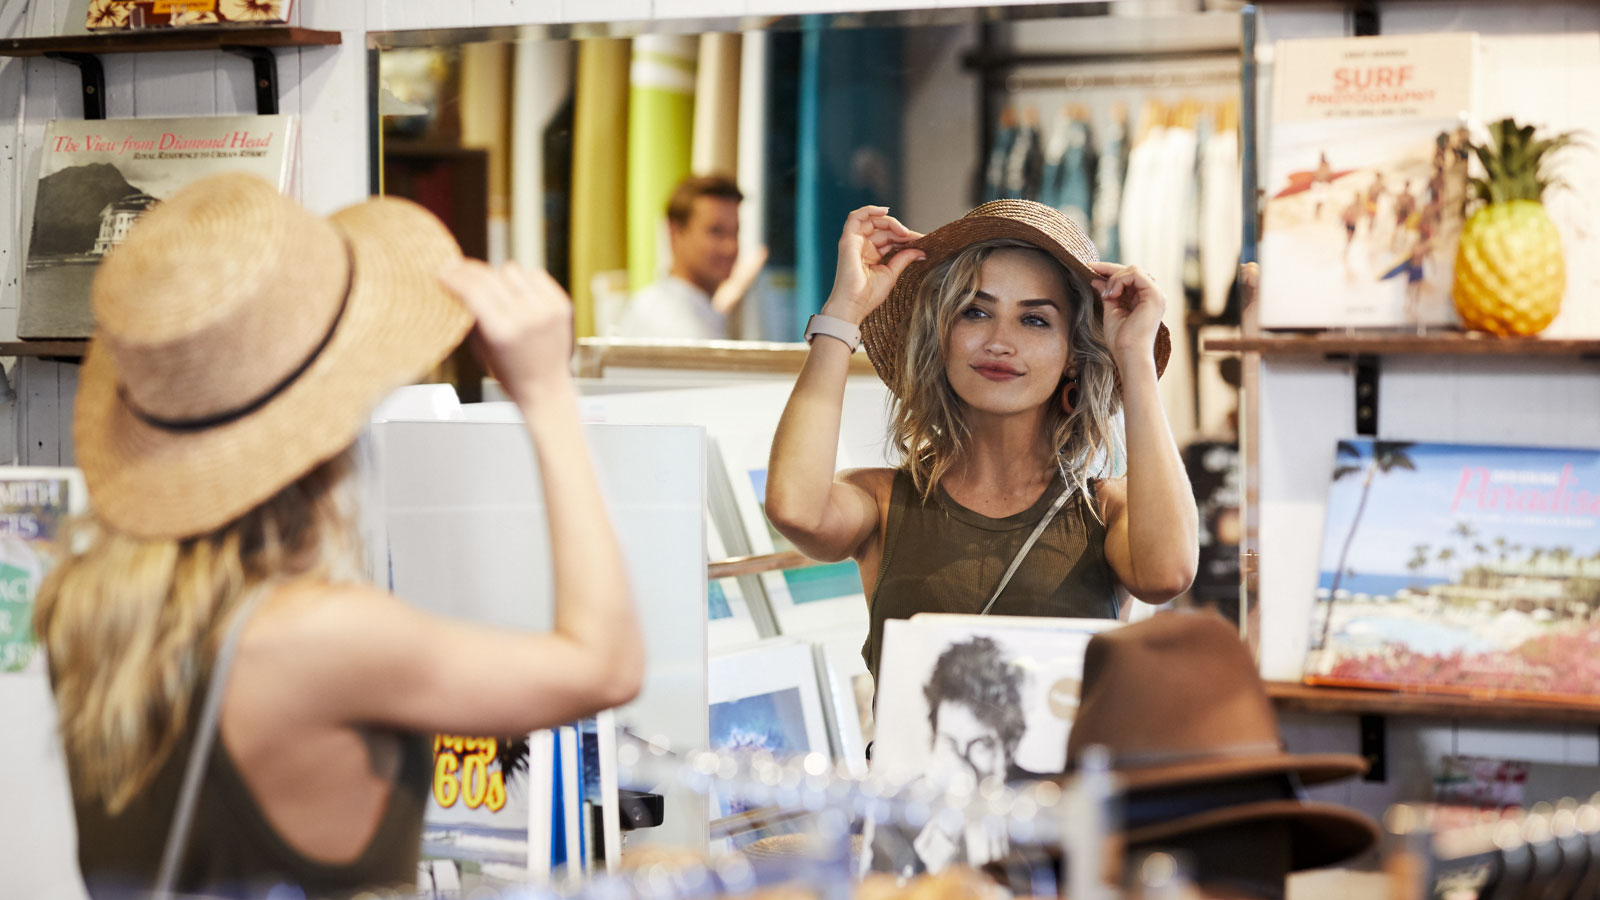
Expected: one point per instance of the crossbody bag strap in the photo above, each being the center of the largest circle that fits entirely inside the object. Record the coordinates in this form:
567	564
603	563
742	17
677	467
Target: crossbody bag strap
200	753
1028	545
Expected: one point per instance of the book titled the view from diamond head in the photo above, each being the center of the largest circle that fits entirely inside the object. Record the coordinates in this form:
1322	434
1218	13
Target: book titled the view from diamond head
1460	568
97	177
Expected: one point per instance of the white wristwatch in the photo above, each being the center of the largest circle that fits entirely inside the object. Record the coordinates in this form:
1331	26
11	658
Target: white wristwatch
833	327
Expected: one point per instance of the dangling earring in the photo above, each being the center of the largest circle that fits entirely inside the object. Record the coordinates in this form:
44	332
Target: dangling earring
1069	390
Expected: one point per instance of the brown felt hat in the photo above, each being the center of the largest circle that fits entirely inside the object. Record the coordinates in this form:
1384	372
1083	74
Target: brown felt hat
241	340
884	329
1177	702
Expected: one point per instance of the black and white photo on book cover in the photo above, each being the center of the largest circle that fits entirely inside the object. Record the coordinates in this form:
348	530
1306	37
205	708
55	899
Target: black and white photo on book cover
97	177
1366	180
963	700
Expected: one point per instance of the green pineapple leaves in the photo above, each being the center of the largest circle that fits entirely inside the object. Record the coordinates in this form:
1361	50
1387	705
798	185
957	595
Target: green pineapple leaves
1514	162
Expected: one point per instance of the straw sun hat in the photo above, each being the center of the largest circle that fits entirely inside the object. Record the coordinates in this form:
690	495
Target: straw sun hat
884	329
240	341
1197	749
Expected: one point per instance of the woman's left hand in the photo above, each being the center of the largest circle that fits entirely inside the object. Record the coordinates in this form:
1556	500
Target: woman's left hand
1132	307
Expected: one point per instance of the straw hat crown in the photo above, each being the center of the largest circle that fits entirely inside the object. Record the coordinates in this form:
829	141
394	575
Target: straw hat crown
883	332
240	341
175	307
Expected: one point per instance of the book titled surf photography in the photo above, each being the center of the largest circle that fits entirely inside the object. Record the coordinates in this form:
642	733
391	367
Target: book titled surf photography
97	177
1461	568
1366	180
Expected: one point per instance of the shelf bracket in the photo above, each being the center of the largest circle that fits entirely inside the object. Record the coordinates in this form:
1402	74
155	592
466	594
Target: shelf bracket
1366	395
1374	748
94	81
1364	20
265	65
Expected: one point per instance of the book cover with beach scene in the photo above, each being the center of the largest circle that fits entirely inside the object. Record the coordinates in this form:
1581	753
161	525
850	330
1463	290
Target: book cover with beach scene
1463	569
1366	181
97	177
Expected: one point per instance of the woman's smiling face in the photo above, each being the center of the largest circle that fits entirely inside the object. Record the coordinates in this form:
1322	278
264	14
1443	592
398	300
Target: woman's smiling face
1008	346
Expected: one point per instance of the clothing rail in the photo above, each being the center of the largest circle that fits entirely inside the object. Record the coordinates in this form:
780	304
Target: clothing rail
1550	851
1074	82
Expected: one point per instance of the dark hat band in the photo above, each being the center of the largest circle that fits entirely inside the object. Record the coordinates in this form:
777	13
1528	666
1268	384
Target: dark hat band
186	426
1157	806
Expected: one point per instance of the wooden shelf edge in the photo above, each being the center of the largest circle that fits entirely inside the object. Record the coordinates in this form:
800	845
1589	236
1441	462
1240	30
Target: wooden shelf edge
595	355
67	349
158	40
755	565
1290	696
1449	344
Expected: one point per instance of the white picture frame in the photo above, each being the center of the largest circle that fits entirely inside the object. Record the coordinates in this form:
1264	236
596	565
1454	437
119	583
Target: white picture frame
847	692
818	598
729	622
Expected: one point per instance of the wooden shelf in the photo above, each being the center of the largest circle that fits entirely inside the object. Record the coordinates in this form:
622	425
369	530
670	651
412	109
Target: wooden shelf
596	354
159	40
755	565
1291	696
1437	344
66	349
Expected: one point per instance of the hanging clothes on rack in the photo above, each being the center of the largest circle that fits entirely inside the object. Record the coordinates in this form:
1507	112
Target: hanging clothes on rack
1025	163
994	170
1076	189
1110	167
1221	211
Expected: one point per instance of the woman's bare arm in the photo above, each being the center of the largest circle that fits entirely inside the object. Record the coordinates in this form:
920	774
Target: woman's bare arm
1152	525
826	517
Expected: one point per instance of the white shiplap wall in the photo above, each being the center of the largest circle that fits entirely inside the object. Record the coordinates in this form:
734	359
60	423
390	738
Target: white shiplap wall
1305	406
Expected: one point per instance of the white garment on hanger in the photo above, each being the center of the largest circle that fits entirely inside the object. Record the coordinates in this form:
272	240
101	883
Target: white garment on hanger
1163	208
1142	160
1221	219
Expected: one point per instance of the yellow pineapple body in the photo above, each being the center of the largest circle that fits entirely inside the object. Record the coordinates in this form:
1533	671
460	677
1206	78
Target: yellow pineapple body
1510	272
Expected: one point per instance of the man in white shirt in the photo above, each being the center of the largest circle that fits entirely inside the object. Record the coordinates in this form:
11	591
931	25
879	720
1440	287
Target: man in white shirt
703	228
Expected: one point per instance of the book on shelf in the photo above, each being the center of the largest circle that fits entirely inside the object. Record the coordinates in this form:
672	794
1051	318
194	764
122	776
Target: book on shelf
1460	569
124	15
34	503
97	177
1366	180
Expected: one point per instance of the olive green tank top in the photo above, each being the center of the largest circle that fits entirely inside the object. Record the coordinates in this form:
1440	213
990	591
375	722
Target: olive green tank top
233	849
941	557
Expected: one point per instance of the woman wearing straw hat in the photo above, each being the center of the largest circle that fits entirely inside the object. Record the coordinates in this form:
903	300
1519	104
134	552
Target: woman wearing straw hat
240	343
1009	348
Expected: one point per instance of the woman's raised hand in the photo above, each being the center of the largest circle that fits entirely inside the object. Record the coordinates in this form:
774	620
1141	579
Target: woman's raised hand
869	262
524	331
1131	309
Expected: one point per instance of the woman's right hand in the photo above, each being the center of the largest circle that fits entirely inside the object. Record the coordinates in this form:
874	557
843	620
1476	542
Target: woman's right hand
869	263
524	330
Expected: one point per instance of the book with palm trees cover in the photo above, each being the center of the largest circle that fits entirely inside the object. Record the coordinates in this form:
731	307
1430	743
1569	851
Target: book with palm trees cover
1461	569
116	15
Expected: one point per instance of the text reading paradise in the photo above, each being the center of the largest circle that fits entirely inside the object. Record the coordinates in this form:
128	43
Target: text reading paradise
234	140
1479	488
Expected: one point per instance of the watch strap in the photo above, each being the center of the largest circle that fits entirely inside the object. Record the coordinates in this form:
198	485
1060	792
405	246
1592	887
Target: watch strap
833	327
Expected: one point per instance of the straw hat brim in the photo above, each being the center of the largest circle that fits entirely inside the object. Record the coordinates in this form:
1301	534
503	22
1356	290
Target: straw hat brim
1321	834
883	332
1312	768
398	322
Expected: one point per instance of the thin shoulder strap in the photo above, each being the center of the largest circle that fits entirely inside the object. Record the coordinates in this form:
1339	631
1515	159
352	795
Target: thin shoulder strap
204	736
1066	491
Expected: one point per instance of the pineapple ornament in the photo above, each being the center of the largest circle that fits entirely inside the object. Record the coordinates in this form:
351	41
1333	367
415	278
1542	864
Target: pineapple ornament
1510	271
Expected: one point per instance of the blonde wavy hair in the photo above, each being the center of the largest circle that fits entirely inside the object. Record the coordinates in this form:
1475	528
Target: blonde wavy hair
131	626
927	424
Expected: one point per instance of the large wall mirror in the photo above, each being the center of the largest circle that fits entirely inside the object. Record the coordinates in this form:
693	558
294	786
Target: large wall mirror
560	146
